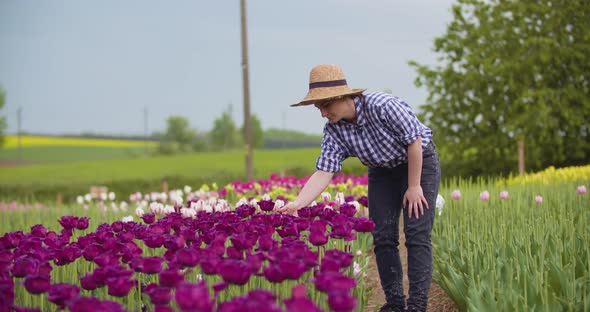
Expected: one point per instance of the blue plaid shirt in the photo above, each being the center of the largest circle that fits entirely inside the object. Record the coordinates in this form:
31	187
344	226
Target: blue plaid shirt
385	126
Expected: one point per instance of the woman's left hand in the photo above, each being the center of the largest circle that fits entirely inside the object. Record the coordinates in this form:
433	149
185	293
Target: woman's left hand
415	201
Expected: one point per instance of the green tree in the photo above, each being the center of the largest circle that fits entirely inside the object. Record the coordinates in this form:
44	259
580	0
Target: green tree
510	71
257	132
224	133
179	137
2	118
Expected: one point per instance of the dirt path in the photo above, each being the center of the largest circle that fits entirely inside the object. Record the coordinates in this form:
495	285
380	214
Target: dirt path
438	300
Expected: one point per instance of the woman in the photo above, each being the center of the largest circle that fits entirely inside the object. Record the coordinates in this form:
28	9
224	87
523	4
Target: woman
404	176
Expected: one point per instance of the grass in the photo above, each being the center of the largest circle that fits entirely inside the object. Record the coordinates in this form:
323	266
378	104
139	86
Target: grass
68	153
42	181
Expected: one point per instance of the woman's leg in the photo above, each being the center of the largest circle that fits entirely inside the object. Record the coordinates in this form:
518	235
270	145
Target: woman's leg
385	199
418	236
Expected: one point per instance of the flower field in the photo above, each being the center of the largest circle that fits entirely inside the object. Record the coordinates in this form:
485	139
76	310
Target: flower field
498	246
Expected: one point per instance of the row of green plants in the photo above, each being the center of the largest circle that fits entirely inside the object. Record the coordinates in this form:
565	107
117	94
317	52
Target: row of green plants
520	247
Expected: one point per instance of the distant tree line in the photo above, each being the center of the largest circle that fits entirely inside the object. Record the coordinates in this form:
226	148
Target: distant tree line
179	137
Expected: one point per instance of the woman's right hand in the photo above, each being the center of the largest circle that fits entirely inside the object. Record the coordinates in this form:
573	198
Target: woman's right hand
290	208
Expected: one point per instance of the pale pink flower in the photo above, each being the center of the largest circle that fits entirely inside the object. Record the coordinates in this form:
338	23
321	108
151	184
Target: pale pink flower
339	199
326	197
581	190
538	199
504	195
356	269
485	195
139	212
456	195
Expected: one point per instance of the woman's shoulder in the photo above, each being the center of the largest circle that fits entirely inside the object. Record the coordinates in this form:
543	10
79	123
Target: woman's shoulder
377	98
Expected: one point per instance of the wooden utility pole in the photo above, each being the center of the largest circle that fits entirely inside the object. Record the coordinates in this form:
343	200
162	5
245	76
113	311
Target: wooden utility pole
246	85
18	133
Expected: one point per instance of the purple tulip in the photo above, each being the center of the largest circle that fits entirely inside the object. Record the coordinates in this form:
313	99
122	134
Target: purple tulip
6	293
45	268
187	257
163	309
364	225
340	301
91	251
67	255
174	242
234	271
106	259
87	282
266	205
120	287
24	266
266	242
332	281
37	283
170	278
83	304
329	264
154	241
209	265
60	293
348	209
318	238
274	273
292	268
38	230
160	295
149	218
193	297
299	301
364	200
68	222
82	223
343	258
151	265
218	287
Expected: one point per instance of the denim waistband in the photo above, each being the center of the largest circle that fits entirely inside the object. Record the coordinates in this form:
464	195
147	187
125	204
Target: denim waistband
429	150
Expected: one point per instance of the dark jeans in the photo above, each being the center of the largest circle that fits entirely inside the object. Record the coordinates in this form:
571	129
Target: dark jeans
387	187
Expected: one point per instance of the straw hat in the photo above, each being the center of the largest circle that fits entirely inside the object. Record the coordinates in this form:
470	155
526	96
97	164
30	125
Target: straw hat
326	81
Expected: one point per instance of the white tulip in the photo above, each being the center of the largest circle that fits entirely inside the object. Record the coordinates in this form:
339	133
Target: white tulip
127	219
440	203
139	212
80	200
326	197
112	195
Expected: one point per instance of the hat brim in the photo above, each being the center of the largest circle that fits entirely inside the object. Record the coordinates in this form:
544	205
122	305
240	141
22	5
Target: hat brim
310	101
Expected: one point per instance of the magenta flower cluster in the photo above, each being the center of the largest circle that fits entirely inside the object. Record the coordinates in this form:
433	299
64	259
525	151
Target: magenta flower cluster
252	251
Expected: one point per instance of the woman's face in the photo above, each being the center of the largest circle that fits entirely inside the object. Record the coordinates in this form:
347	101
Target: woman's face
336	109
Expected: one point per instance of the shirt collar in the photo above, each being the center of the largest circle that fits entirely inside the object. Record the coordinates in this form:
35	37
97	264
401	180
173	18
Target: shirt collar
359	107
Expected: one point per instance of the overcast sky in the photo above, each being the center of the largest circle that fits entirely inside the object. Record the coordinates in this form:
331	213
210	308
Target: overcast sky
94	66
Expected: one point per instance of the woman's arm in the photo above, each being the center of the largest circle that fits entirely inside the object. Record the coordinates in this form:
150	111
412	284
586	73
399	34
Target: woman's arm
310	191
414	197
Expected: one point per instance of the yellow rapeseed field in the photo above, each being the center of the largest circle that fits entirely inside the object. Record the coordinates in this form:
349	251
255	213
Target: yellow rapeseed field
31	140
552	176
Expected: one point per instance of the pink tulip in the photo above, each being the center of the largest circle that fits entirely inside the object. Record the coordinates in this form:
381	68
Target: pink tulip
485	195
581	190
538	199
504	195
456	195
